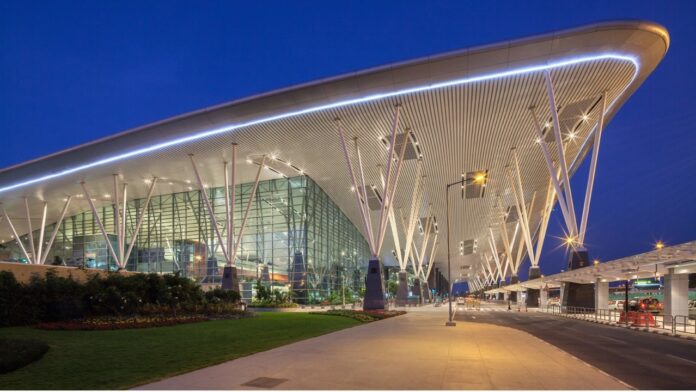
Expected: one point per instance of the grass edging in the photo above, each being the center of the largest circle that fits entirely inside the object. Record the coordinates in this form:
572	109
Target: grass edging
17	353
120	359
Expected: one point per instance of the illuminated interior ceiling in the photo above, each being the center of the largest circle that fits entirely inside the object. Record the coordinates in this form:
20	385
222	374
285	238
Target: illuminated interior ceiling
467	110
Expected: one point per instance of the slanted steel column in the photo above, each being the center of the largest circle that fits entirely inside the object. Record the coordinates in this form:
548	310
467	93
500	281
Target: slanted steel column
117	219
30	235
248	207
16	236
209	207
99	222
361	200
134	235
593	169
561	153
39	255
552	172
232	239
55	230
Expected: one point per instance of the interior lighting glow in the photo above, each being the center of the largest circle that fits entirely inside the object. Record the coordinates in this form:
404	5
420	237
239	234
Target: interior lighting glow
369	98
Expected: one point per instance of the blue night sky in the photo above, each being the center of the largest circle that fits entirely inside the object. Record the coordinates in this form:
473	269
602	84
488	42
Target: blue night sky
71	72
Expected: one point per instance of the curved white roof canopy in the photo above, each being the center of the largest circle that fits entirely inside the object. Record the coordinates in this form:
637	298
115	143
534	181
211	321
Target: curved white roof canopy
467	109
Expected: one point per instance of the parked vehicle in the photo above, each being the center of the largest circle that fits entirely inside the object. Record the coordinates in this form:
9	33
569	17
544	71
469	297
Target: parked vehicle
617	305
647	304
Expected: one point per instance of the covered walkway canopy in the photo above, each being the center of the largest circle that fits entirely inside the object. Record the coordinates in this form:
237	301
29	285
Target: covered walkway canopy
681	258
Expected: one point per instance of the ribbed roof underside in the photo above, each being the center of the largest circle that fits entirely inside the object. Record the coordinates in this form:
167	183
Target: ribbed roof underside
460	128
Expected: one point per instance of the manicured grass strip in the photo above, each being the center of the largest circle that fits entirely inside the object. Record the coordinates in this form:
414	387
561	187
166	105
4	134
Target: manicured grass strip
125	358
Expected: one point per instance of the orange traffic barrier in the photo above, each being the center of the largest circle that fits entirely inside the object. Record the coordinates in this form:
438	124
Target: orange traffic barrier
637	319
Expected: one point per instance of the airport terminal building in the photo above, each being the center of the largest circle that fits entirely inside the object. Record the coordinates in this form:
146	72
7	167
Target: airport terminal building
303	186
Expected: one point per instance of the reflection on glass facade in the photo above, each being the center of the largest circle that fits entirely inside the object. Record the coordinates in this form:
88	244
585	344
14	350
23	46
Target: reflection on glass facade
289	216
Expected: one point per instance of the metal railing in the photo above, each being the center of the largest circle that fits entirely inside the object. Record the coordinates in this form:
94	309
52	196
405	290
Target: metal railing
649	321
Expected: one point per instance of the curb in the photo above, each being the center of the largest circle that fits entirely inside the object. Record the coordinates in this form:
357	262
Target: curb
639	329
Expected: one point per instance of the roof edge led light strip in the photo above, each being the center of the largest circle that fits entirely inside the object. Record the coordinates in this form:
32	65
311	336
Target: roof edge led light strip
373	97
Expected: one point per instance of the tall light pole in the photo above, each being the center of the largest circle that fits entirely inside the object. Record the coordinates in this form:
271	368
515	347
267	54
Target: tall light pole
464	181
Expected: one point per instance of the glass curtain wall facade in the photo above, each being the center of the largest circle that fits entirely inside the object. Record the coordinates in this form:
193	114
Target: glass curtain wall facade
288	217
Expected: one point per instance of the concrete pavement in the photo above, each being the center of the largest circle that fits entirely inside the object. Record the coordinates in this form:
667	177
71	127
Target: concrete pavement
414	351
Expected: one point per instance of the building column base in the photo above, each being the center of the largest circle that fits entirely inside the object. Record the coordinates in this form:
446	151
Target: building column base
533	294
230	281
374	286
416	290
578	294
402	289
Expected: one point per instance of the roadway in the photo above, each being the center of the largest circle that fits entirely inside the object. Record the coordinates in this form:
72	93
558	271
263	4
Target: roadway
642	360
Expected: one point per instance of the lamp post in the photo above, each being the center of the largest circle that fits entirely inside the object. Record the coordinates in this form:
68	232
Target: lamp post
481	179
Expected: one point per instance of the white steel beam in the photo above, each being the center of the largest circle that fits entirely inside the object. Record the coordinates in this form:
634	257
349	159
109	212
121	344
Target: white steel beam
518	191
593	169
16	236
252	197
385	198
233	202
552	172
494	251
394	229
361	202
117	219
134	235
209	207
363	189
416	200
99	222
39	255
431	258
122	232
228	217
55	230
392	190
561	153
30	235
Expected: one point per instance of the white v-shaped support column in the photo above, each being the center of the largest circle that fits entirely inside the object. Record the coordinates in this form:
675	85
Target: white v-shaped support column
494	252
408	230
431	258
16	236
231	242
376	239
49	245
576	234
120	255
252	197
521	205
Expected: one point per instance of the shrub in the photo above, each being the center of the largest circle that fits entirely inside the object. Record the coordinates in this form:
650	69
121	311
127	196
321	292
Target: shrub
219	295
17	353
53	298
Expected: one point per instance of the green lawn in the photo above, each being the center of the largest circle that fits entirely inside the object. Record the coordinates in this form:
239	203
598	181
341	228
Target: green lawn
125	358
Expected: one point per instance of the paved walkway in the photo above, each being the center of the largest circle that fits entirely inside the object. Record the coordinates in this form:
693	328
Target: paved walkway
415	351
